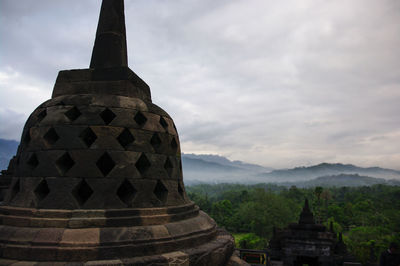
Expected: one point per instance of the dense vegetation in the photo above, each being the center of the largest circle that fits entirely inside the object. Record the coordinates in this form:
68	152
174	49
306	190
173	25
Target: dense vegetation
369	217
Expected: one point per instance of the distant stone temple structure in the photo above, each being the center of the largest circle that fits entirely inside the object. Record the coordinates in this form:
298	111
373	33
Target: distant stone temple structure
97	178
308	243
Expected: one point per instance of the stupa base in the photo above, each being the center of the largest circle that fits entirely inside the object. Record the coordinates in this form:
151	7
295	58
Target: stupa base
163	236
216	252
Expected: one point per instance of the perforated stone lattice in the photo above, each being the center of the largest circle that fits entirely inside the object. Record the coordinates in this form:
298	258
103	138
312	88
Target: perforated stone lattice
73	114
161	192
156	144
155	141
142	164
174	145
33	161
163	123
105	164
51	136
126	192
140	118
42	190
125	138
64	163
82	192
168	166
108	116
88	137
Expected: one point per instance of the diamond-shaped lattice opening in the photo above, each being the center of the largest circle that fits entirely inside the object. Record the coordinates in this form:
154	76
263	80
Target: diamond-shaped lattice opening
51	136
82	192
174	144
88	136
163	123
161	191
105	164
180	190
33	161
125	138
126	192
168	166
107	115
64	163
142	164
15	190
42	190
42	115
73	114
155	141
140	118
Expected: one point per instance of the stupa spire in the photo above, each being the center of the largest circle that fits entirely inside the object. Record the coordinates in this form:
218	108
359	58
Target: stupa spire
306	216
110	49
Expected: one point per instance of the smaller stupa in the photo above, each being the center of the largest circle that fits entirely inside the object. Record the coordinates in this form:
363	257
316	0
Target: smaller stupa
308	243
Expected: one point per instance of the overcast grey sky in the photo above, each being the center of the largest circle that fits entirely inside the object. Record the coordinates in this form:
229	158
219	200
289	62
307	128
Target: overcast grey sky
277	83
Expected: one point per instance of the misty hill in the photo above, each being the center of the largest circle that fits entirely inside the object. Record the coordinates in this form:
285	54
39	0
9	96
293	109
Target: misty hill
342	180
225	162
8	148
326	169
218	169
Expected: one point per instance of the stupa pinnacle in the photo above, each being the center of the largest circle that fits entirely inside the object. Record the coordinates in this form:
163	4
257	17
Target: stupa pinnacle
110	48
98	174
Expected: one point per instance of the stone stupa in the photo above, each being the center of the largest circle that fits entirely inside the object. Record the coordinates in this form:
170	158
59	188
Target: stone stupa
308	243
98	174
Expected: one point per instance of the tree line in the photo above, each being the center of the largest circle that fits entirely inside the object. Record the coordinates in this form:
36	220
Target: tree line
368	217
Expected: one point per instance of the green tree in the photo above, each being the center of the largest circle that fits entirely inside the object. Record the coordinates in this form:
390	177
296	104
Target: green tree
221	211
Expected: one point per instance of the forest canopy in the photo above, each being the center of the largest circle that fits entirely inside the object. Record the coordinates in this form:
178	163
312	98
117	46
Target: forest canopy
368	217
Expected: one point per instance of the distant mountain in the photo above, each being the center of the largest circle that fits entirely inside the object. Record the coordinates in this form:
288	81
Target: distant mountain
225	162
218	169
8	149
326	169
342	180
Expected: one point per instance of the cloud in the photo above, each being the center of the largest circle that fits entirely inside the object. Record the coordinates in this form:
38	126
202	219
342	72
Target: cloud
279	83
11	122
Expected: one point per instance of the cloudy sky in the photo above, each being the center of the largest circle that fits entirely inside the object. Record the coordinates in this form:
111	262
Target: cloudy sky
277	83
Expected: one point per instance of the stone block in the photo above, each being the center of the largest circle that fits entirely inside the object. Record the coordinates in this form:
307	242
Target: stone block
52	222
80	237
49	236
6	233
23	235
78	255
